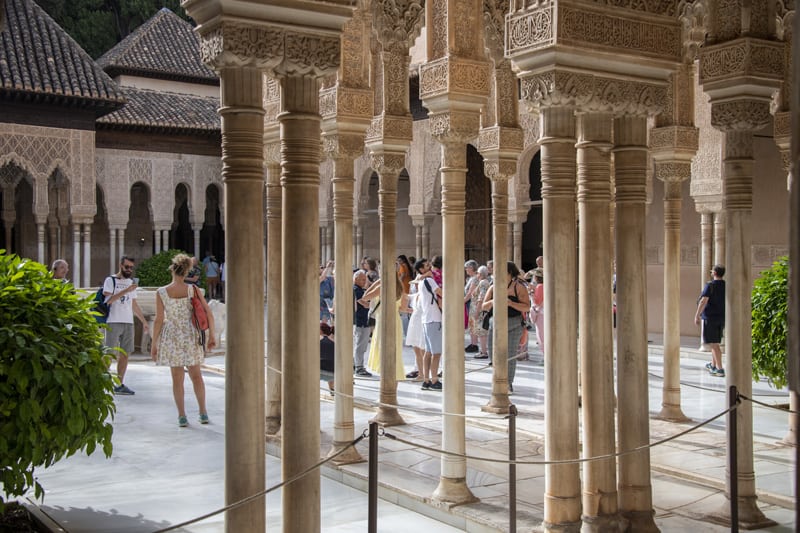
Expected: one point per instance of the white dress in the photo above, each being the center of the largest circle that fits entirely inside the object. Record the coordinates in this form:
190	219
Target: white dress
178	341
415	336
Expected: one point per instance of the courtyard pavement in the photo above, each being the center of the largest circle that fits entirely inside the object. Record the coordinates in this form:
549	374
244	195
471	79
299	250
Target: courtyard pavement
160	475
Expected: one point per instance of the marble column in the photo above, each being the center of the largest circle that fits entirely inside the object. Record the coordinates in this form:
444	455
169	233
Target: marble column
300	156
600	511
242	117
562	498
274	299
156	240
343	424
112	249
121	239
359	229
196	238
738	172
329	243
499	401
388	166
517	256
76	252
41	232
671	385
426	237
633	427
53	251
706	245
453	480
720	239
87	255
165	240
418	242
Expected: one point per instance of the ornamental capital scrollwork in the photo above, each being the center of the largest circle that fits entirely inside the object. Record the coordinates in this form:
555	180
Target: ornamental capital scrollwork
387	163
494	21
272	48
272	153
783	124
460	79
390	128
499	138
740	115
675	138
500	169
454	126
673	171
742	58
342	145
397	23
555	88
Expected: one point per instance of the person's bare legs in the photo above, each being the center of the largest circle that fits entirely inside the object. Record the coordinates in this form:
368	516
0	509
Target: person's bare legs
122	366
483	344
177	388
196	375
419	354
435	367
426	367
716	355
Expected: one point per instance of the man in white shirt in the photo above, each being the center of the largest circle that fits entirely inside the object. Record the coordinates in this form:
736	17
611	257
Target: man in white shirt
429	297
120	293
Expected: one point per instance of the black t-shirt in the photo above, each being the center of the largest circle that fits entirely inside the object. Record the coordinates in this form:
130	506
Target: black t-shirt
361	318
715	308
326	354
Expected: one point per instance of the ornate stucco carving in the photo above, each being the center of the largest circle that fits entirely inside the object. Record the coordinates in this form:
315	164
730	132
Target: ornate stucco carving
673	171
695	21
494	19
272	48
397	23
452	126
670	138
740	58
584	26
592	93
452	75
740	115
389	127
500	138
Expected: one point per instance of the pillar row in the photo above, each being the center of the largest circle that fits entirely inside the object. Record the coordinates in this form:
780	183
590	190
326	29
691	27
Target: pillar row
274	369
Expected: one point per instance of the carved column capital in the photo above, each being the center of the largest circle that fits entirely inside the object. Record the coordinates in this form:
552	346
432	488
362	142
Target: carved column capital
500	139
454	126
451	78
740	115
669	139
387	163
673	171
500	169
343	145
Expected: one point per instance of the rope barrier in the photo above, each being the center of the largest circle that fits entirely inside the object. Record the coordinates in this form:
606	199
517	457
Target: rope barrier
722	390
768	406
265	491
564	461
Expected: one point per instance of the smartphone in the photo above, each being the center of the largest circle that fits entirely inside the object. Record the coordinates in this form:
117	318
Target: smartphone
135	281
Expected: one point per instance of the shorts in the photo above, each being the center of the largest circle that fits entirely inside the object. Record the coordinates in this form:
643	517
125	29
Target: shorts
120	334
712	331
433	337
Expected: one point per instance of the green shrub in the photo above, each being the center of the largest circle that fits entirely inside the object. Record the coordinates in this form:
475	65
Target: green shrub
55	388
154	271
770	298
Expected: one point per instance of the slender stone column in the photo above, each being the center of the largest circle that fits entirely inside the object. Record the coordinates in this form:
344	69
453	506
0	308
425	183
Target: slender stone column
196	234
706	245
499	401
562	498
359	243
112	249
426	238
343	424
630	164
329	242
300	155
274	300
157	240
388	167
165	241
453	480
242	173
738	172
517	255
41	232
76	251
53	252
87	254
671	392
600	510
418	241
323	238
720	239
121	249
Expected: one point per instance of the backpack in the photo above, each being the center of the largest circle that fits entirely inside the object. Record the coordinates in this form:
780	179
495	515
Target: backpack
100	306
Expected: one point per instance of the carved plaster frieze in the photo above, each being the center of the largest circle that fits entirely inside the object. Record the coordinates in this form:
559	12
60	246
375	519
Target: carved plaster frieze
695	20
500	169
356	57
397	23
740	115
272	153
783	124
498	138
450	75
674	138
589	92
738	144
529	122
453	126
345	102
337	145
272	48
387	163
591	28
390	127
673	171
742	58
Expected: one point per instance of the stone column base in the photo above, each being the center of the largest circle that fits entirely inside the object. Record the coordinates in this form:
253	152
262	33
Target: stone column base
347	457
570	527
750	516
453	492
672	413
388	416
641	521
498	405
605	524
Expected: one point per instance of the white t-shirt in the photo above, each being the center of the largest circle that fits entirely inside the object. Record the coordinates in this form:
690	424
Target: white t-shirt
430	311
121	309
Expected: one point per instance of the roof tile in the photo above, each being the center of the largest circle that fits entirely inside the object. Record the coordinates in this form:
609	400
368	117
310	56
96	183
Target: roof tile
147	109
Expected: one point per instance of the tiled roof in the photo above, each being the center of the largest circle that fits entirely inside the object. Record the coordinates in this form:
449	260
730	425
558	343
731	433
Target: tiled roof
163	111
164	47
39	62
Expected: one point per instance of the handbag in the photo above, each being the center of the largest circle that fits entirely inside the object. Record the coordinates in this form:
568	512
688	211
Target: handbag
199	316
485	317
371	320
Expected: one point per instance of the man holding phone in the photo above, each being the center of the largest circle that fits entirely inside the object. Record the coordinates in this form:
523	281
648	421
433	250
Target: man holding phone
120	293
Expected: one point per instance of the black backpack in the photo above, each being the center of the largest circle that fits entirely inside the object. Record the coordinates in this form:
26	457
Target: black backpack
100	306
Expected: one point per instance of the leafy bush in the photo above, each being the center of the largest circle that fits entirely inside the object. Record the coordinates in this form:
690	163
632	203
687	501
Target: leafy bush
770	298
55	386
154	271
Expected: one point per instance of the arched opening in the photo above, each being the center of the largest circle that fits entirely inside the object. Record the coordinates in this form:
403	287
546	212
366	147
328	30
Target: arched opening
101	240
478	216
139	233
532	228
212	236
11	176
58	217
182	235
24	233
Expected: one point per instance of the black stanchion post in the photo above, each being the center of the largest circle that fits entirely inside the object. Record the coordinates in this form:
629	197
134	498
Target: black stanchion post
512	468
372	526
733	465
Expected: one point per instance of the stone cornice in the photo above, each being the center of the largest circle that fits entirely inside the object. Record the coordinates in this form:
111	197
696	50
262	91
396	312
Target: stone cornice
753	66
589	92
280	51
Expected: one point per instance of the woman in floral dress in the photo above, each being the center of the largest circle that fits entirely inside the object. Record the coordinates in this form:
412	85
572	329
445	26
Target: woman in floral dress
176	343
